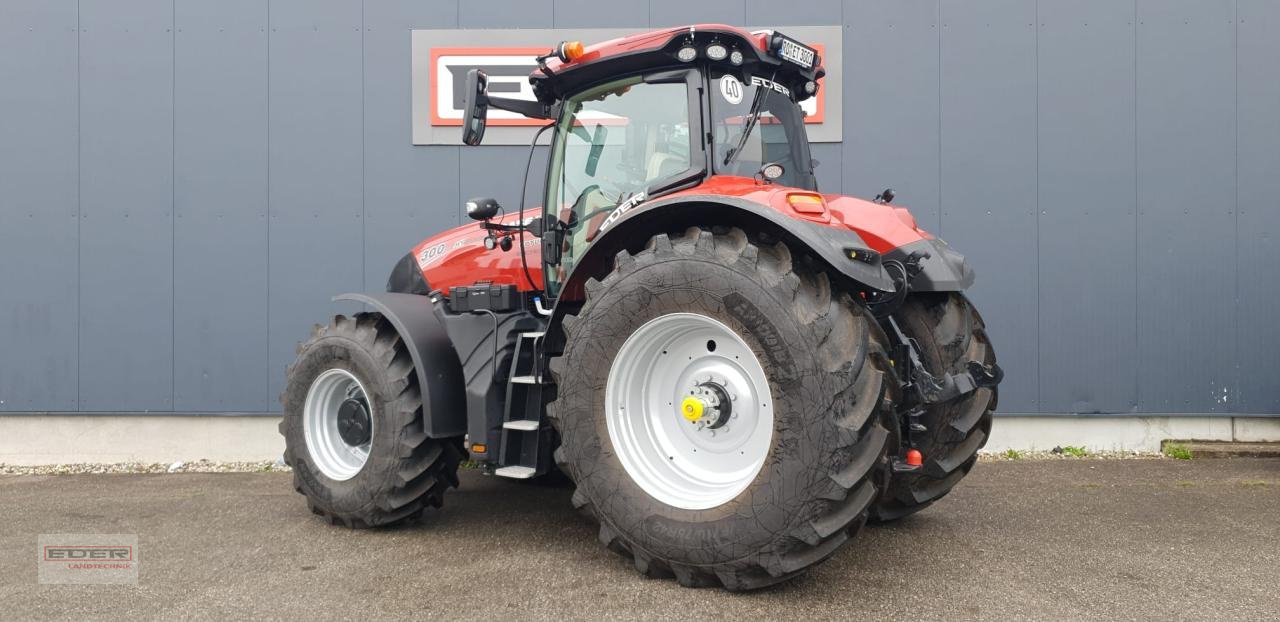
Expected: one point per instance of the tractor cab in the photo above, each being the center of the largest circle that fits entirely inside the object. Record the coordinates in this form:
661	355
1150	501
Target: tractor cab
648	115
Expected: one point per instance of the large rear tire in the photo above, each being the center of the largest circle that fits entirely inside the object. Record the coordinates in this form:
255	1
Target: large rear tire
949	333
721	311
353	427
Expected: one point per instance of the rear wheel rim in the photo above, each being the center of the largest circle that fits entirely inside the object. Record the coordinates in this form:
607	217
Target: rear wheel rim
334	457
689	411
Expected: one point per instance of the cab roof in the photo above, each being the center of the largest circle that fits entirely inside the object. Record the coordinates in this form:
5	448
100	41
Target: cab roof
656	49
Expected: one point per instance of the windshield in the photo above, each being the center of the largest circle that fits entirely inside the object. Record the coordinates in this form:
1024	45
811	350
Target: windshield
612	143
745	142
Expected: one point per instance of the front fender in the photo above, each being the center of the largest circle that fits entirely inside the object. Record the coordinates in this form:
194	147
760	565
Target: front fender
444	410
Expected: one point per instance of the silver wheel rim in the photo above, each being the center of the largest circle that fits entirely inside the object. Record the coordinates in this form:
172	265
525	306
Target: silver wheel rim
335	458
683	462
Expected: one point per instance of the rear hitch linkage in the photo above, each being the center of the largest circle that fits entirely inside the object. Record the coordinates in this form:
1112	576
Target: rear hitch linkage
922	388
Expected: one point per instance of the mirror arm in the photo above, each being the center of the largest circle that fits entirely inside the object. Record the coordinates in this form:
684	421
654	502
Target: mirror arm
531	109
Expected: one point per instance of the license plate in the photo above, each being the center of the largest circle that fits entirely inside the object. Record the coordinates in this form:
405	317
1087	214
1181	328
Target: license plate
796	53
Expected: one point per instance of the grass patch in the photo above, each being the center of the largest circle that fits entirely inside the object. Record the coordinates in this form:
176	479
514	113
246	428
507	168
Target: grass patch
1177	451
1012	454
1186	483
1254	483
1074	452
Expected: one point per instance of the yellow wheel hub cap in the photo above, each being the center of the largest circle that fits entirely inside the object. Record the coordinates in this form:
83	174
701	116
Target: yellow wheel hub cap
691	408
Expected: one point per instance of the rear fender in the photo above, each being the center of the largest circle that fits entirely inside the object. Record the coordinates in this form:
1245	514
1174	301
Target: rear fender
439	372
845	253
941	269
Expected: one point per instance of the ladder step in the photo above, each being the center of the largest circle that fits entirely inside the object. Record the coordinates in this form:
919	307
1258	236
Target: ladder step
521	424
524	379
516	472
533	335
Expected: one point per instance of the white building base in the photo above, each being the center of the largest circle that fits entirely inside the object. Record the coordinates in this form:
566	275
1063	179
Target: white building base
1122	433
29	440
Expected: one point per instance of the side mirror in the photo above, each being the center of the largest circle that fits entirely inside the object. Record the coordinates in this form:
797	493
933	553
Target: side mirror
475	105
482	208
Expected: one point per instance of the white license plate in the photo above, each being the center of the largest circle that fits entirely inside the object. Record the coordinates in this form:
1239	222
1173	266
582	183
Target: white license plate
796	53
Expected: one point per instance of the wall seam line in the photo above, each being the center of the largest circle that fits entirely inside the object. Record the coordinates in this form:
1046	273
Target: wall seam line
1137	221
79	209
938	12
173	204
267	343
1235	121
1035	32
364	166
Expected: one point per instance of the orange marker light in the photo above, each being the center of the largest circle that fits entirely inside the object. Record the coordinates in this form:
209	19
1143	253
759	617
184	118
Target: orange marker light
478	448
914	457
570	51
806	203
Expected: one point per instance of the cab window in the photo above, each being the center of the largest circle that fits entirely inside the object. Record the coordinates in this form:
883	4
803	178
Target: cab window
612	143
776	136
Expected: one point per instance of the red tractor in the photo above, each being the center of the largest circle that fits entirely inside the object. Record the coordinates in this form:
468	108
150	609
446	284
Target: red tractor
735	370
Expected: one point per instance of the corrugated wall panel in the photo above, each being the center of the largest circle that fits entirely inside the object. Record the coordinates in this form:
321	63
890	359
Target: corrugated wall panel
39	210
1088	344
591	14
179	203
891	103
505	14
1258	227
408	190
316	140
1186	206
220	199
771	13
681	12
126	190
989	175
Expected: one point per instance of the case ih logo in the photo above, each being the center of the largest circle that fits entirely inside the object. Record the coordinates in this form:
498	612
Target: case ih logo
508	69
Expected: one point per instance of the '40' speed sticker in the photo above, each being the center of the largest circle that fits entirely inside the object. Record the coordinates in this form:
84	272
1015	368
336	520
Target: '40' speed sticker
731	89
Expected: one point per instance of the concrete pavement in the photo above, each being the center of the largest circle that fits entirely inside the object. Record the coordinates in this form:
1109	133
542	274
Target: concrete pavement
1124	539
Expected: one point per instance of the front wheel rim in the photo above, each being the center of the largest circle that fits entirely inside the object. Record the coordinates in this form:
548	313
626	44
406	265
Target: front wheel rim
330	453
689	411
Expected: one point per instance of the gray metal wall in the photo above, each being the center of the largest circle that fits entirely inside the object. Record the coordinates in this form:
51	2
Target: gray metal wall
184	183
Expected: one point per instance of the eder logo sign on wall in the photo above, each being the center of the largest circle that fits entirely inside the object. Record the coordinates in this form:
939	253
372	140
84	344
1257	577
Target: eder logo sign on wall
442	58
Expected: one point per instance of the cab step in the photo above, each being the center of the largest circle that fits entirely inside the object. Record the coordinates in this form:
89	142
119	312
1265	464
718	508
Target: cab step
526	442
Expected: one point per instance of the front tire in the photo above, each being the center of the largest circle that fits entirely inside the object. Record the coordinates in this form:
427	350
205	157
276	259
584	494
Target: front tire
353	427
822	385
